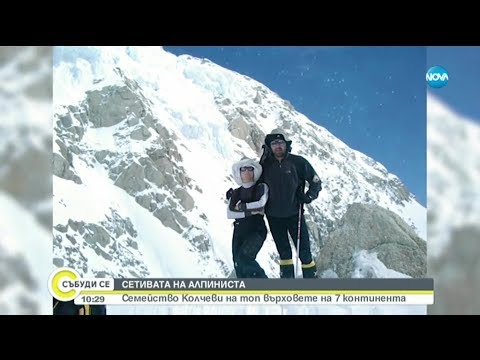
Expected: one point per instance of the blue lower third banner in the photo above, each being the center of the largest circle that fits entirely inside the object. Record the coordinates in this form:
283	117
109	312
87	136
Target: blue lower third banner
66	285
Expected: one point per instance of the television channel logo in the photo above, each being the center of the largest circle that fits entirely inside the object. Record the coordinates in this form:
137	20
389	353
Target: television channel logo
437	77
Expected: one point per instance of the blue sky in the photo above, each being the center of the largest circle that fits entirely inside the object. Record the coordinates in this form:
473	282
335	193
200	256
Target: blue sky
371	98
463	88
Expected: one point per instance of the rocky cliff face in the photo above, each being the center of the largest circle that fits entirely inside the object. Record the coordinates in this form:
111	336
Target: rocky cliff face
142	160
376	231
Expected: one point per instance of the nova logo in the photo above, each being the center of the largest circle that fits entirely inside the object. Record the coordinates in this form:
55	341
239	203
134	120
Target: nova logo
437	77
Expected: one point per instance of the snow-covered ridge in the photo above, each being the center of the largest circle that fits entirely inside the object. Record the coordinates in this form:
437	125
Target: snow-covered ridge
144	144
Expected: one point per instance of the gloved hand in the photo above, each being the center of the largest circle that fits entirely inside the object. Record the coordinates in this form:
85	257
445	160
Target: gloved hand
267	151
303	198
240	206
229	193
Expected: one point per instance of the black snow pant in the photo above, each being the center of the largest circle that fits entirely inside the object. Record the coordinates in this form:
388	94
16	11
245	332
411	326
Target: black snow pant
280	228
248	237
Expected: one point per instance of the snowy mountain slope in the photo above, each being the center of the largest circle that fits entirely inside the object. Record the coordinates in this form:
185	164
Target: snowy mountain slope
25	254
143	147
454	212
453	173
25	179
25	129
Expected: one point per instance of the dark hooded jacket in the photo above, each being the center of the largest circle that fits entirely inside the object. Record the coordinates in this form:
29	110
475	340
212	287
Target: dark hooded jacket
286	180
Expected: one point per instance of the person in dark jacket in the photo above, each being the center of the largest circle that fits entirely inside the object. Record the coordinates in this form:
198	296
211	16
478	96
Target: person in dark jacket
70	308
246	207
286	176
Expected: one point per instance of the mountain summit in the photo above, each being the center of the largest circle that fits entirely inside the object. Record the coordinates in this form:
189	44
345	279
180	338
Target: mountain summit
144	142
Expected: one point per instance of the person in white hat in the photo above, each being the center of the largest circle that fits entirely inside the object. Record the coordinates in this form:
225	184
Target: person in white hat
246	207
